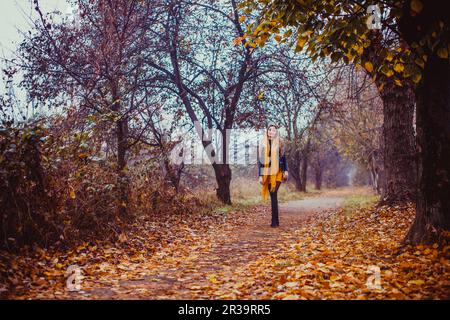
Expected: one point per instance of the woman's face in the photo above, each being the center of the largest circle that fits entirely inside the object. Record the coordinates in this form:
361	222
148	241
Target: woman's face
272	132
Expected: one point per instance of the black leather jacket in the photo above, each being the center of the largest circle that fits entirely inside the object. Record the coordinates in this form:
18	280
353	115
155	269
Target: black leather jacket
283	162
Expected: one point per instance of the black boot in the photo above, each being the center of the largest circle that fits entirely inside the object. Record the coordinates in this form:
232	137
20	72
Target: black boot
274	202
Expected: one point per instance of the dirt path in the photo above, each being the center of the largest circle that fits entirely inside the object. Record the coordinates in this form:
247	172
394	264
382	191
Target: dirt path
301	207
219	258
318	252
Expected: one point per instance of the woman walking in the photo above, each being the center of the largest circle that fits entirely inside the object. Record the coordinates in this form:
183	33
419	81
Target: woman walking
273	168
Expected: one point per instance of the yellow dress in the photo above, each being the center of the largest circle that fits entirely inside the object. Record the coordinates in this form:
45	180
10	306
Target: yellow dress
268	177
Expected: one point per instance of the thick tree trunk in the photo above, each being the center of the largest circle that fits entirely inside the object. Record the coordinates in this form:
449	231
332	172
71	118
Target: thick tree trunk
433	141
222	169
398	184
432	220
399	146
223	178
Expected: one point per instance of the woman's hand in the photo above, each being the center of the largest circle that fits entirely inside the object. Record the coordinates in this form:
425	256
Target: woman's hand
261	180
285	175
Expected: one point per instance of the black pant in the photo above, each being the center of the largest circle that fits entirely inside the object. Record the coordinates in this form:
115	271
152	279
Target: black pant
274	202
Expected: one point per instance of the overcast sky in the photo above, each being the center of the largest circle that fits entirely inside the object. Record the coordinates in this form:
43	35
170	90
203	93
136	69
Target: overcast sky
13	16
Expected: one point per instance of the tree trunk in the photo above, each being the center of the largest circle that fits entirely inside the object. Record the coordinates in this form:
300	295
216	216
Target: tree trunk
122	178
295	173
173	172
122	147
432	220
223	178
294	168
399	146
433	141
318	177
304	166
303	174
298	183
399	183
374	174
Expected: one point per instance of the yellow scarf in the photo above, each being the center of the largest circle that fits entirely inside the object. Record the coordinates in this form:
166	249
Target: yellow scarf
270	172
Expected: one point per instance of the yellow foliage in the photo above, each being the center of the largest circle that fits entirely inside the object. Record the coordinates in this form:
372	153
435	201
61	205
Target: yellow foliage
399	67
368	66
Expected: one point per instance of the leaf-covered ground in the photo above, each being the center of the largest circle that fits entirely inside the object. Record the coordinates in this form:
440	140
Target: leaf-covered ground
316	253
